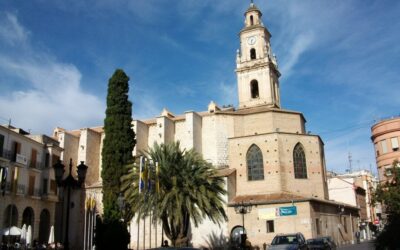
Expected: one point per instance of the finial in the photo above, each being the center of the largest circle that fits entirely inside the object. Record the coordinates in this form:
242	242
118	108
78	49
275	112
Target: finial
251	1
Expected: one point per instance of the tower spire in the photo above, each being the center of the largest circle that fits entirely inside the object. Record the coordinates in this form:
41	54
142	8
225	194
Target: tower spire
256	69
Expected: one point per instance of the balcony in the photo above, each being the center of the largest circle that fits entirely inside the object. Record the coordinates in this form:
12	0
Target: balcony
7	154
19	189
35	192
36	165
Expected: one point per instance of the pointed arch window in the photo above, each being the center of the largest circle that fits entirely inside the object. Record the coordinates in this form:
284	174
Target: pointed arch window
255	168
253	54
254	89
299	162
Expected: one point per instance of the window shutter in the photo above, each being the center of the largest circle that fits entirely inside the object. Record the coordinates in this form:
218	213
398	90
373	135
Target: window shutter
384	146
395	142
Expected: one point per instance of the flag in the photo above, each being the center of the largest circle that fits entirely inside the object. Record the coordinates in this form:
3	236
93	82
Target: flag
142	174
93	203
87	203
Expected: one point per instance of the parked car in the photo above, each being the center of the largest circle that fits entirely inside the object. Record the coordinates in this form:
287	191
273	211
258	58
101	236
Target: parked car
174	248
289	242
325	243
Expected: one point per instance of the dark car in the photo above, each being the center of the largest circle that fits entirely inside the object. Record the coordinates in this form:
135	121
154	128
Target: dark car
174	248
325	243
288	242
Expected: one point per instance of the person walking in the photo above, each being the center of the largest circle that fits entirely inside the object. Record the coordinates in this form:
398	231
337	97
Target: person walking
358	236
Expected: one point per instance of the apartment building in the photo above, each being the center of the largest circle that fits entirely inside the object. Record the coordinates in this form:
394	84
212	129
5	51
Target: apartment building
385	136
356	189
28	189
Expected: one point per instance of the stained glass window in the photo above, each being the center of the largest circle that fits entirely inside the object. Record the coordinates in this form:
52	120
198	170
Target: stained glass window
299	160
255	169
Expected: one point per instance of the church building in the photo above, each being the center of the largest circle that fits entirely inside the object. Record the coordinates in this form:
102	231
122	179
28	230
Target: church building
273	168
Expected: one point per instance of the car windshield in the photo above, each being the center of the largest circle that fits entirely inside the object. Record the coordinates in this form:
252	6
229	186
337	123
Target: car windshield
284	239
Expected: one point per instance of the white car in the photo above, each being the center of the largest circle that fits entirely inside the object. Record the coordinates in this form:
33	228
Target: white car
293	241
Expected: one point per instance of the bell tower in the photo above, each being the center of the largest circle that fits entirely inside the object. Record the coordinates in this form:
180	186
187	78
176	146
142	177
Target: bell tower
256	67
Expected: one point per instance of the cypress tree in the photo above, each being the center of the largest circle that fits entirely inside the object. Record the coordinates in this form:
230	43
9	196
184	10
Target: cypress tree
118	142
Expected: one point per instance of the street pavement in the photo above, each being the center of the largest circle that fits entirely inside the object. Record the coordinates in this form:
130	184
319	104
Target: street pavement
368	245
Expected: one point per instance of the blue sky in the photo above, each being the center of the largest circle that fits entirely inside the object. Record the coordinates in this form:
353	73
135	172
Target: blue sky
339	61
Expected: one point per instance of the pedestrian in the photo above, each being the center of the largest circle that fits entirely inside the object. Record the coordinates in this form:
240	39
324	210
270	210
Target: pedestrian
358	237
165	243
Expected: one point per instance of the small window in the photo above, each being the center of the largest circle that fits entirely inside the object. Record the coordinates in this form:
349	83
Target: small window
345	224
53	186
251	20
254	89
395	143
317	225
47	160
384	147
1	145
377	149
16	150
33	158
31	190
253	54
388	171
270	226
44	187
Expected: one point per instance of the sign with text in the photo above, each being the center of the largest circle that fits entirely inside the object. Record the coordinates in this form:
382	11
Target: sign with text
288	211
268	213
21	159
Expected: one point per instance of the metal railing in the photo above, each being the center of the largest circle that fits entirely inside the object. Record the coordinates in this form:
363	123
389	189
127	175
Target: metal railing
7	154
38	165
21	189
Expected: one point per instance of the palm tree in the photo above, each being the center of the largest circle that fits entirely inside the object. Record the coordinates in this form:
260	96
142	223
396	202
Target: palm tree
189	191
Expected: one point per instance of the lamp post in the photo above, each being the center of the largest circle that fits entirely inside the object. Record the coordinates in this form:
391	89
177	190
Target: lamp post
121	205
243	208
69	183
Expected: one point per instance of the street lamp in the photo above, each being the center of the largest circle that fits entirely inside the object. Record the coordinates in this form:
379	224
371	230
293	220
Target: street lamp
121	205
69	183
243	208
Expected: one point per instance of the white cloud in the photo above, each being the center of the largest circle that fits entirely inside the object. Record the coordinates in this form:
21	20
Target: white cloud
51	94
301	44
11	31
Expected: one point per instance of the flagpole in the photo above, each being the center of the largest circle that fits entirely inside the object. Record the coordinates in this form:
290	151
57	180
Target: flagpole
85	226
138	228
141	159
144	232
157	190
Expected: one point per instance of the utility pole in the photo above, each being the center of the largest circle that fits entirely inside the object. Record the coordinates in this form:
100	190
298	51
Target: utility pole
350	161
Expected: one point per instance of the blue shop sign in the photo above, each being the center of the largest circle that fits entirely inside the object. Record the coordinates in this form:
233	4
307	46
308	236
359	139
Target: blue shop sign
287	211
